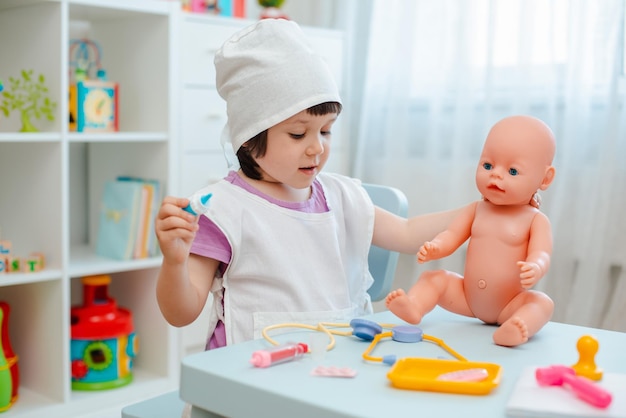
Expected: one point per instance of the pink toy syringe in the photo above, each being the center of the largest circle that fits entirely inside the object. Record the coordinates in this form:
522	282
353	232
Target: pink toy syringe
584	388
278	354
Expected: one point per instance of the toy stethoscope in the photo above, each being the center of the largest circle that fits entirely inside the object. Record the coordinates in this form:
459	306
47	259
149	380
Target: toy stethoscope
440	375
368	331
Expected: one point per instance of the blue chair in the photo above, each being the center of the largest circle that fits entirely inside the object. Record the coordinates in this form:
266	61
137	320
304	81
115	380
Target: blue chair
382	265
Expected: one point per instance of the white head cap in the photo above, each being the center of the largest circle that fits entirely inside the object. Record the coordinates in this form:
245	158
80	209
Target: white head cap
267	73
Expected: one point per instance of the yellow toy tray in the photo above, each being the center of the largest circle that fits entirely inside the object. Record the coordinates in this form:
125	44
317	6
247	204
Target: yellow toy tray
424	373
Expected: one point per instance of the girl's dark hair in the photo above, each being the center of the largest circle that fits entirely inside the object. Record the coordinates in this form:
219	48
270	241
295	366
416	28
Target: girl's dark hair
257	146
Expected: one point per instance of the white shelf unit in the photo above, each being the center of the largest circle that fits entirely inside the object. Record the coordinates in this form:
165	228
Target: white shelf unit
202	116
51	183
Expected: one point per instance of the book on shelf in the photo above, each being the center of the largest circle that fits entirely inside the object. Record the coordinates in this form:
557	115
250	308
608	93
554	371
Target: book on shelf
126	226
227	8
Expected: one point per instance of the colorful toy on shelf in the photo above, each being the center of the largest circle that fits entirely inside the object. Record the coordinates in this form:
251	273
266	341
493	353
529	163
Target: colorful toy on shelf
230	8
29	96
9	372
11	264
93	101
103	341
94	106
587	347
203	6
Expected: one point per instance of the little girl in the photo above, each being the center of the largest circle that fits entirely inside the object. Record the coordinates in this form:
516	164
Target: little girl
282	241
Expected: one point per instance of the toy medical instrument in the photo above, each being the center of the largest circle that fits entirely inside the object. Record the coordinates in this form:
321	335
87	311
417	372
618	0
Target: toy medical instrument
587	347
198	204
362	328
425	374
406	334
440	375
584	388
278	354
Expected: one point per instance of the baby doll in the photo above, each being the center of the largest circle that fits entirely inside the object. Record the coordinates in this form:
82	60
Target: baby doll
510	240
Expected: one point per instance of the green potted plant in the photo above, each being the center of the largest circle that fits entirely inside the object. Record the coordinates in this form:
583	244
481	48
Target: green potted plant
271	9
29	96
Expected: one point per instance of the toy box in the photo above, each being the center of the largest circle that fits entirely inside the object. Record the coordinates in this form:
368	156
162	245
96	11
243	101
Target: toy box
94	106
103	343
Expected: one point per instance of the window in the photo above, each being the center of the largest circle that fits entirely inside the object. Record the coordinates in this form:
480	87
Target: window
501	43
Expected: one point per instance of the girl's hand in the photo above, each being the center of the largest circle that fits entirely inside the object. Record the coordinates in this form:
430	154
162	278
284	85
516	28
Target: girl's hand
175	229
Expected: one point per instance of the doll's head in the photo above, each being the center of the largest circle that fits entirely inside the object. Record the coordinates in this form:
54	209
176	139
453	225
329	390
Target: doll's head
516	161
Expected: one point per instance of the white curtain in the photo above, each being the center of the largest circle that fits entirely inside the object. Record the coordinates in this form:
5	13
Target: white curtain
438	74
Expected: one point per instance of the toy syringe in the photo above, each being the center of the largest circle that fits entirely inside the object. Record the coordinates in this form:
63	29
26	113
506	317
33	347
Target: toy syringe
278	354
198	204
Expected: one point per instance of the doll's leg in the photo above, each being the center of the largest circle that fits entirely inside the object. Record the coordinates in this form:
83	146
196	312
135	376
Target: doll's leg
523	317
433	287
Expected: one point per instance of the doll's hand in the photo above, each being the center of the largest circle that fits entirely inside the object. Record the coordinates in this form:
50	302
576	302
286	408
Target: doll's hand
175	229
530	273
427	252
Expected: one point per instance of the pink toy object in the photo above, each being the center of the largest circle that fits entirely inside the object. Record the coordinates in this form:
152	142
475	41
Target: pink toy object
465	375
332	371
582	387
278	354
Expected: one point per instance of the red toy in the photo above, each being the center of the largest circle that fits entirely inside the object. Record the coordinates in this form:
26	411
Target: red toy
103	340
9	382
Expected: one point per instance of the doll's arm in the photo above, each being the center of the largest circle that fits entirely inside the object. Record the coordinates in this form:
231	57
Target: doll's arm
446	242
406	236
537	261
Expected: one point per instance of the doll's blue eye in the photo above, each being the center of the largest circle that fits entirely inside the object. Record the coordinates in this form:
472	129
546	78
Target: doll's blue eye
513	171
487	166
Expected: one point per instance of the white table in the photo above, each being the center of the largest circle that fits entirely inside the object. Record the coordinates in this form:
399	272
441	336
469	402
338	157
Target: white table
223	382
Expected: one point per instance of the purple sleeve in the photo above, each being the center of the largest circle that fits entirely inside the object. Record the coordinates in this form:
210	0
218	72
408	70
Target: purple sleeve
211	242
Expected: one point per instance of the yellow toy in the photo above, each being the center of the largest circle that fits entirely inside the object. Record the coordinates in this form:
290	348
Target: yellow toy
587	347
439	375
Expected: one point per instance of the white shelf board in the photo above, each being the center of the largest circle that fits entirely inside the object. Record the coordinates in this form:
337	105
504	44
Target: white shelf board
84	262
118	137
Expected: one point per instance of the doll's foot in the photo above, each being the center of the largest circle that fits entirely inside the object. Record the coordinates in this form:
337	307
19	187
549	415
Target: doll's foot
403	307
513	332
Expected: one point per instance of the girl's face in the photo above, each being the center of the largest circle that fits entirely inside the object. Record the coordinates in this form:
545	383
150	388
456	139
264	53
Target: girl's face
297	149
